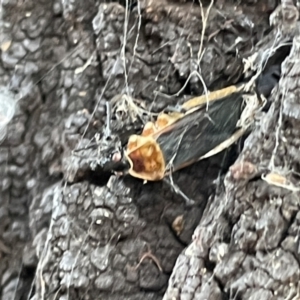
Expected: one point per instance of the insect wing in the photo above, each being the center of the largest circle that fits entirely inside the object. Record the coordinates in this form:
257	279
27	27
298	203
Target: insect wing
185	140
197	133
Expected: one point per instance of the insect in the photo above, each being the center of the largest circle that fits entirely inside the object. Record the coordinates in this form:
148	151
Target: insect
198	129
177	140
205	126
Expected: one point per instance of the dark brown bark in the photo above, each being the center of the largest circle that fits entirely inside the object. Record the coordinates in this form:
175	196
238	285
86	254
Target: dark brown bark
72	232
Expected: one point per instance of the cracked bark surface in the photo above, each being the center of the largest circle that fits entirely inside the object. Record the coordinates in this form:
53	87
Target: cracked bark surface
250	231
69	233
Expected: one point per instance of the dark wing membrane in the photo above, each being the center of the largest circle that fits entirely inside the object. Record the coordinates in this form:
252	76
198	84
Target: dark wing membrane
192	136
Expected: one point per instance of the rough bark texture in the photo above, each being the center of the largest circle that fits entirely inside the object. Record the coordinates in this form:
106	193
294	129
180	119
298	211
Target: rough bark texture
71	233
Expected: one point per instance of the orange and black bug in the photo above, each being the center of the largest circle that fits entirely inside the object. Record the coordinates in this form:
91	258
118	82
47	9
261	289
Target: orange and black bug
177	140
203	127
208	125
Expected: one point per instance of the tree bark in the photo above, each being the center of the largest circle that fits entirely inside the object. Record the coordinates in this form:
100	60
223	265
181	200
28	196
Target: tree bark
72	232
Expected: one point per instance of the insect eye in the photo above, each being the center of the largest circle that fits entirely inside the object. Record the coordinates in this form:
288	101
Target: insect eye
116	156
